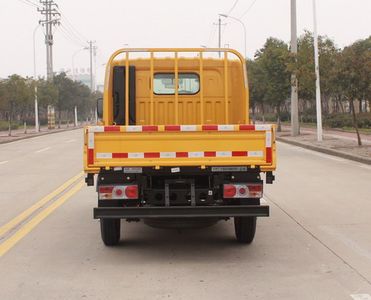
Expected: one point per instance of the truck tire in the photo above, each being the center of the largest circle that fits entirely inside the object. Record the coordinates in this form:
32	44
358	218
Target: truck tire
245	228
110	231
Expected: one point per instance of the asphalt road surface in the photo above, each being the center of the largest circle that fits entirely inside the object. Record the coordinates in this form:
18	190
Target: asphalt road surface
315	245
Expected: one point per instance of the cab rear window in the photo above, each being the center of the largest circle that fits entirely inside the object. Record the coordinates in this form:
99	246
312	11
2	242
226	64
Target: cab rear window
189	84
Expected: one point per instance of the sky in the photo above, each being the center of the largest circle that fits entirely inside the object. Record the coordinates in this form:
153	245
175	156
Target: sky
115	24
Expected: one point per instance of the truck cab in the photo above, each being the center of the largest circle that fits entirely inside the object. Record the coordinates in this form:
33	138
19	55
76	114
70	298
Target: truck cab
175	146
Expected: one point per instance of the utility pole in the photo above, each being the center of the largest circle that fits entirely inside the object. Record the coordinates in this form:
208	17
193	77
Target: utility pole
92	50
49	10
294	80
318	85
219	24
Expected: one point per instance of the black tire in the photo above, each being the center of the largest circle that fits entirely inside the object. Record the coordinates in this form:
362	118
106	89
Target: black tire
245	228
110	231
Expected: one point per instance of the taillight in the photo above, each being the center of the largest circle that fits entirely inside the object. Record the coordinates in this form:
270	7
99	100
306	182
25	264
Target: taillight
243	190
230	191
131	192
106	192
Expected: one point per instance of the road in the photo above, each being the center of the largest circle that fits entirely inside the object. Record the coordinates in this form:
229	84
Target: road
315	245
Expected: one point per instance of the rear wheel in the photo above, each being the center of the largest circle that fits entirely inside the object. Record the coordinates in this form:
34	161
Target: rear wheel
110	231
245	228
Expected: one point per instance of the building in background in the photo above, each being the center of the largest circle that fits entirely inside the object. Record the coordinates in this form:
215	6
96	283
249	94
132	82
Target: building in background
79	74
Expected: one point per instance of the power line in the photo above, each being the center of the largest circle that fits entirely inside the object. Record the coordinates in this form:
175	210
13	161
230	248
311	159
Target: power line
72	28
30	3
232	8
70	38
73	36
248	9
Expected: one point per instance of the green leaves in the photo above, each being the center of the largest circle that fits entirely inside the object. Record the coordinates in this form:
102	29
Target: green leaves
269	74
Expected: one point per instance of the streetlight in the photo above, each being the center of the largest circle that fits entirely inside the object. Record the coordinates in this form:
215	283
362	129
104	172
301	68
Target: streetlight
37	129
239	21
318	86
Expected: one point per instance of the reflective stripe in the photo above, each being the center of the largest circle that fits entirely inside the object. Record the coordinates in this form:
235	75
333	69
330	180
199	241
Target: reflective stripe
90	140
195	154
103	155
136	155
133	128
167	154
268	155
209	127
96	129
188	128
255	153
111	128
263	127
90	156
149	128
223	153
225	127
268	139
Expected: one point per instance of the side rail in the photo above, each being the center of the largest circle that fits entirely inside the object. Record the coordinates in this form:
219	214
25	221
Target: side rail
179	145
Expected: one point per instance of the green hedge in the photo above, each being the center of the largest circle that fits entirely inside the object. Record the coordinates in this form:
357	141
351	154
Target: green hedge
345	120
331	121
4	126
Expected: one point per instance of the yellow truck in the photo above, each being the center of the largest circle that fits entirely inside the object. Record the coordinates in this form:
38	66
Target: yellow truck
174	146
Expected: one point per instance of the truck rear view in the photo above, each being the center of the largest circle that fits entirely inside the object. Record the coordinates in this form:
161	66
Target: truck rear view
175	147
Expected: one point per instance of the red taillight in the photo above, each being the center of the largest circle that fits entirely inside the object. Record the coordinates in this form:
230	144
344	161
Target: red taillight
105	189
243	190
106	192
255	190
229	191
131	192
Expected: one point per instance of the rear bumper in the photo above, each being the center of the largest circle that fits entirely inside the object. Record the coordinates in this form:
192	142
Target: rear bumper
182	212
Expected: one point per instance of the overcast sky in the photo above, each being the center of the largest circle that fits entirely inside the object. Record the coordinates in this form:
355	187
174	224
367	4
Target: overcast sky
164	23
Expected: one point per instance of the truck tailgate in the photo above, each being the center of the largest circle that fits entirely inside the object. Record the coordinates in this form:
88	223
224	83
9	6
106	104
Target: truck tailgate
179	145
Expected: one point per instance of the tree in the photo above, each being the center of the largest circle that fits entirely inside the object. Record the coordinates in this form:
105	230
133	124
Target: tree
305	70
16	97
256	85
272	61
354	75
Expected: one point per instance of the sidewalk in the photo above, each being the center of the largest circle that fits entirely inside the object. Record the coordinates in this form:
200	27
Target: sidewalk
338	143
18	134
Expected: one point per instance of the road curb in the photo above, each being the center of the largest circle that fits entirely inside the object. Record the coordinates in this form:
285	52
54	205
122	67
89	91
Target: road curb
38	134
341	154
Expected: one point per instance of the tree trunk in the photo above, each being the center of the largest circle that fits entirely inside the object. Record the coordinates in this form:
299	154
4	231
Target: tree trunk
59	118
360	105
355	124
9	125
279	127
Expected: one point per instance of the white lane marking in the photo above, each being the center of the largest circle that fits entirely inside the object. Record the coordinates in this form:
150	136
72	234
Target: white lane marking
70	141
361	296
42	150
3	162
